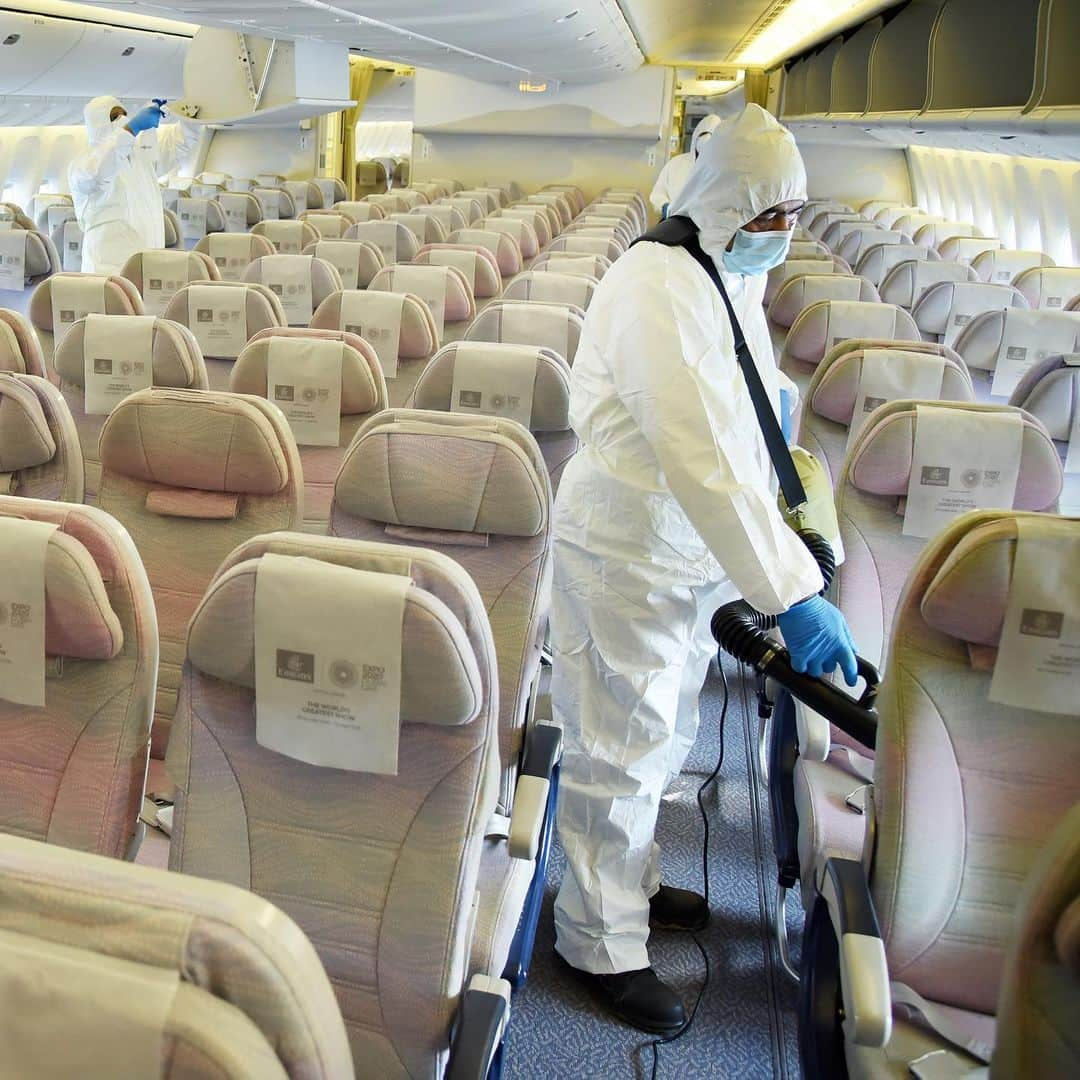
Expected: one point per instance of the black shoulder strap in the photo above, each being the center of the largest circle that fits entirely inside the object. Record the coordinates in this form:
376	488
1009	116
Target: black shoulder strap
682	232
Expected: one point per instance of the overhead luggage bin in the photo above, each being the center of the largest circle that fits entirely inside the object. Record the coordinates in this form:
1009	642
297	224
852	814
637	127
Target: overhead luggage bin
899	64
982	63
795	90
819	77
1055	100
849	96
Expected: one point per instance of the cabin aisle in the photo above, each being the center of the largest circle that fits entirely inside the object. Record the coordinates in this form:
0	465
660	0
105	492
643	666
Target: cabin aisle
745	1026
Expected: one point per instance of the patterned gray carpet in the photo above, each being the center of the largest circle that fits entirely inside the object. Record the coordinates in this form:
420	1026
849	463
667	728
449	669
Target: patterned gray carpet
745	1026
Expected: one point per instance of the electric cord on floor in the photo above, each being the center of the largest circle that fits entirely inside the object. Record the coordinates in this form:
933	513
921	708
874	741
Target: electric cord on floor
708	782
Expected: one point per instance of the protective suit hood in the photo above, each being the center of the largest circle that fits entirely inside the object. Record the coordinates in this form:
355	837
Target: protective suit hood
706	126
96	117
750	163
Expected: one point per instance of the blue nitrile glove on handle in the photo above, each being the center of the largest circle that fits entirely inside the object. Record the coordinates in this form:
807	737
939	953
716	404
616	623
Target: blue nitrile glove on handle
785	414
149	116
817	637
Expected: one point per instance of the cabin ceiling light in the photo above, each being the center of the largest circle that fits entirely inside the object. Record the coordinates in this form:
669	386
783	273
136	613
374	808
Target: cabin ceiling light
568	16
784	26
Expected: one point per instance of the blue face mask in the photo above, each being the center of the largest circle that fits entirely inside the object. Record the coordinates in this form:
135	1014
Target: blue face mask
756	252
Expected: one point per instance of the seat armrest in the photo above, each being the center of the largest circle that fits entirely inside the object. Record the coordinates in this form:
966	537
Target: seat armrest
482	1019
543	748
864	970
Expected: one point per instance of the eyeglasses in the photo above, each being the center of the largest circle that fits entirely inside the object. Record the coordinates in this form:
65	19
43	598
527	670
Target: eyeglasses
770	217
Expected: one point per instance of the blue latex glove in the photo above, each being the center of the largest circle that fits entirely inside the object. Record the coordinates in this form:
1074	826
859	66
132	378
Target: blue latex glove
664	210
149	116
785	414
817	637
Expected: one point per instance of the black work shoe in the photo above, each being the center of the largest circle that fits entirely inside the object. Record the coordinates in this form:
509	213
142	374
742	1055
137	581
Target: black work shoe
639	999
677	909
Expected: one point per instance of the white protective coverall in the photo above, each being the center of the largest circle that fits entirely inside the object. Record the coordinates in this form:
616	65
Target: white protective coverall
675	173
114	185
666	512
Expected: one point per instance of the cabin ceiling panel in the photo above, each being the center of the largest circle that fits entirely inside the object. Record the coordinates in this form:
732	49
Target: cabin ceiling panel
566	40
691	31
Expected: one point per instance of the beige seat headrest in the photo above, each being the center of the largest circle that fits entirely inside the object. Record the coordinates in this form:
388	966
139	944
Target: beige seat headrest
363	386
25	438
79	620
198	439
445	471
551	388
435	650
880	461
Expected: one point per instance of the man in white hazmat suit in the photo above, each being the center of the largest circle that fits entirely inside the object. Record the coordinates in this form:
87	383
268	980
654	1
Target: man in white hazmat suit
676	172
667	512
114	182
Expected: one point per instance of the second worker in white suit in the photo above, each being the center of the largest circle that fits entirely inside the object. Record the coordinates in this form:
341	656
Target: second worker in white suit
668	511
114	182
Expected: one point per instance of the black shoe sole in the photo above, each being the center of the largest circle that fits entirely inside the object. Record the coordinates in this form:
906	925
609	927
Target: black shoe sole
598	994
681	927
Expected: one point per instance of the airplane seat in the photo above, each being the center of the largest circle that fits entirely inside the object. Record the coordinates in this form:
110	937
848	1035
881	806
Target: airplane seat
158	275
1038	1004
488	200
241	210
466	205
550	326
64	298
389	202
67	238
822	326
395	242
430	189
39	256
305	194
795	266
935	233
329	224
857	241
577	196
808	249
907	282
500	243
550	285
523	234
444	289
622	229
801	291
1004	264
630	211
427	227
166	349
1000	346
372	845
43	206
889	215
593	266
191	474
383	319
1050	391
301	283
74	766
547	211
275	203
548	417
288	237
610	233
910	224
942	312
173	234
206	981
191	210
39	444
333	190
839	231
306	353
898	368
20	350
224	316
449	186
477	263
557	201
15	217
358	211
571	243
813	207
1049	287
967	248
476	489
232	253
450	218
410	198
930	878
872	207
821	221
627	195
356	261
878	261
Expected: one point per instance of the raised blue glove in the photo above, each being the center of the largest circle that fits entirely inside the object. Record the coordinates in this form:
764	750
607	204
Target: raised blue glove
785	414
149	116
817	637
